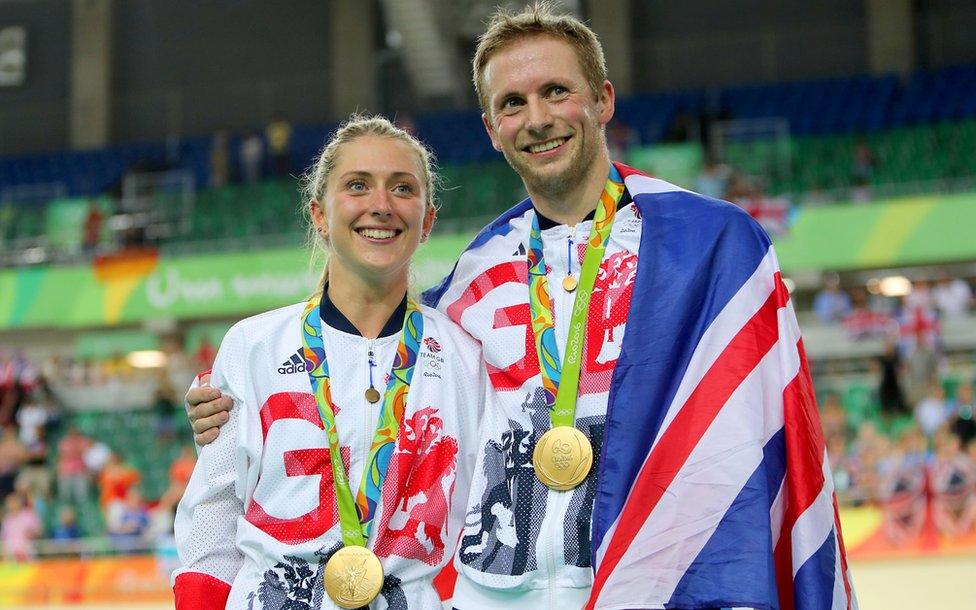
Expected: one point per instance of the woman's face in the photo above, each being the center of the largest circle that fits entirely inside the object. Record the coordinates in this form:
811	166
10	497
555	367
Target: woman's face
375	213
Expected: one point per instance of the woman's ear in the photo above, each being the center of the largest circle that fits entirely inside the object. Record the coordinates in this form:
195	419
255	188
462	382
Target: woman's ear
430	215
317	213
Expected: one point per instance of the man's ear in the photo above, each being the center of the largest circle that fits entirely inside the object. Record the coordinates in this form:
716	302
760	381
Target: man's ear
491	132
606	98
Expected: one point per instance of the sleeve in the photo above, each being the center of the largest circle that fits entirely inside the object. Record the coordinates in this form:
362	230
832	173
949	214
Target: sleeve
207	515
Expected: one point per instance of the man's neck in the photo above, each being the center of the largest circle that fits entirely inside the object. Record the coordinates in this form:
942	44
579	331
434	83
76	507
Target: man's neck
573	205
367	305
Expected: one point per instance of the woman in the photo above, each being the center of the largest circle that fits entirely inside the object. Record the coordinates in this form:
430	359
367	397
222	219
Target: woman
355	414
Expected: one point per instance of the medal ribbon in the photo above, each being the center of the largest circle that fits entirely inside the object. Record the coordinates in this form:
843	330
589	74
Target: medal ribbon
356	516
565	377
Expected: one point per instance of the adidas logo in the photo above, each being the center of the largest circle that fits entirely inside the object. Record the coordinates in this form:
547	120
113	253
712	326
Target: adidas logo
295	364
520	251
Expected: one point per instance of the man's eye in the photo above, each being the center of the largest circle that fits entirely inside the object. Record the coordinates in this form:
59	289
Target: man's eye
558	91
510	103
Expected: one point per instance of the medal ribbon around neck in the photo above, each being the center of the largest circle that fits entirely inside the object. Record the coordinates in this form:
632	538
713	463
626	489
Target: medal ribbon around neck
565	377
356	516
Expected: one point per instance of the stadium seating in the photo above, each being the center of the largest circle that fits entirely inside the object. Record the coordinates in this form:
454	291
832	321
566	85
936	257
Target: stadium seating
854	105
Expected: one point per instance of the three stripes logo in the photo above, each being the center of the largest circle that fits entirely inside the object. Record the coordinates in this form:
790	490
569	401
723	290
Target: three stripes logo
295	364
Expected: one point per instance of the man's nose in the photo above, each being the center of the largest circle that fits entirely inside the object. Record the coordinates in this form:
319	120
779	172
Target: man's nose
539	116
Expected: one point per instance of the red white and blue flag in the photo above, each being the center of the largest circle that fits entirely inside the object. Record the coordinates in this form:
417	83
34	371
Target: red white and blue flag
714	488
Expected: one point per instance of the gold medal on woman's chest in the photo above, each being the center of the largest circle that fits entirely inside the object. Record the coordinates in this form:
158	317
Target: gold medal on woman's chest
569	283
353	577
562	458
373	395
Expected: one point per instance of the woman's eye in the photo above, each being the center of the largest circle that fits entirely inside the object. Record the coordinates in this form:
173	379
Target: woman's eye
356	185
557	91
403	189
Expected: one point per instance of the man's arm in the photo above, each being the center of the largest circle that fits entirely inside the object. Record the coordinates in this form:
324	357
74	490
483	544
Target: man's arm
207	410
206	519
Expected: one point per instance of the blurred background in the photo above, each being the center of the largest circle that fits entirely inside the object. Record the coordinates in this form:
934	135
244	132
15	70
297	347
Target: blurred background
148	160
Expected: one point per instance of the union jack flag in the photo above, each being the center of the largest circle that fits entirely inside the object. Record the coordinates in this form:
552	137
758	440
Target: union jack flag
714	488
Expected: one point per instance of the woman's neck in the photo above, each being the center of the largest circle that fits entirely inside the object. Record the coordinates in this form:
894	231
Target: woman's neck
366	304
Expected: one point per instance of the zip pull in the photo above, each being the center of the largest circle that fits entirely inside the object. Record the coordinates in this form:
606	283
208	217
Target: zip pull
569	282
372	394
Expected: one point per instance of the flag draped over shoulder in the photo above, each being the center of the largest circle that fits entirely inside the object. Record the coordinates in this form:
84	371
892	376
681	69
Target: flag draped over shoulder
714	488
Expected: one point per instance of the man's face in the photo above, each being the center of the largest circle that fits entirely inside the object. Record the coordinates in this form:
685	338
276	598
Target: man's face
543	115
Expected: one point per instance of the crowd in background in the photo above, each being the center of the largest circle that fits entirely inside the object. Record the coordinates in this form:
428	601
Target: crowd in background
50	472
915	456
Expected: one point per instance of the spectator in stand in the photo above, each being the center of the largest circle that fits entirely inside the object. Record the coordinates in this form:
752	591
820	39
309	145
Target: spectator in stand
179	475
278	135
953	481
96	457
18	378
865	465
252	158
205	354
890	395
831	304
12	455
952	297
920	297
72	471
932	412
963	416
126	520
35	476
20	527
115	480
165	406
833	418
839	467
91	235
66	529
865	322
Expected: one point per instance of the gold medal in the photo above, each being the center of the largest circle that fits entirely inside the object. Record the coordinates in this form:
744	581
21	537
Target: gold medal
373	395
353	577
562	458
569	283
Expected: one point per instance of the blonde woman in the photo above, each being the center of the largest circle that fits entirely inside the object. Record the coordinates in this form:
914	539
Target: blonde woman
340	478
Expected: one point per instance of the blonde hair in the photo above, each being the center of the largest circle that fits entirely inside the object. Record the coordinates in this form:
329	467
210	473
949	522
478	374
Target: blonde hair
314	182
539	19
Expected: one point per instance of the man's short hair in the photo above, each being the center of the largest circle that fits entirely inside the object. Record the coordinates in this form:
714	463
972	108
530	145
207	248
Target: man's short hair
539	19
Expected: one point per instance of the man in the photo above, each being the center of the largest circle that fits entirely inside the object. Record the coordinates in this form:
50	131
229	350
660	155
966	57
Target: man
709	485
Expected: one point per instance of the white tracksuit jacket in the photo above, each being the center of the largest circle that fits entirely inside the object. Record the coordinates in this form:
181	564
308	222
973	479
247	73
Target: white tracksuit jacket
523	545
259	515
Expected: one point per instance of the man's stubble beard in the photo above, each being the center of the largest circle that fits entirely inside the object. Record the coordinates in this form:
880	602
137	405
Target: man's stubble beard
556	187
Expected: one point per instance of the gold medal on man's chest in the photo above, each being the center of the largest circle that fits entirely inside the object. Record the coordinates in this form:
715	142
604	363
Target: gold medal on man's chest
373	395
562	458
353	577
569	283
